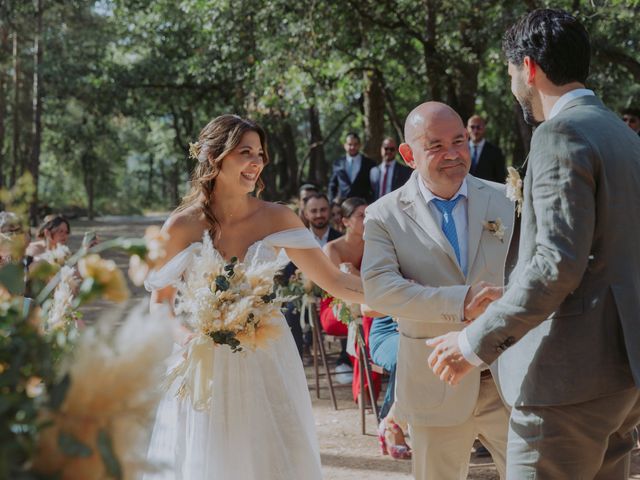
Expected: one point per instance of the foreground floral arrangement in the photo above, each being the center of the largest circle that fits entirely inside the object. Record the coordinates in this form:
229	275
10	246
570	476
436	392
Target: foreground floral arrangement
75	401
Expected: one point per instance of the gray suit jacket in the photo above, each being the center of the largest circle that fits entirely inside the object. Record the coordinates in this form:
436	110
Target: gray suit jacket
567	329
404	242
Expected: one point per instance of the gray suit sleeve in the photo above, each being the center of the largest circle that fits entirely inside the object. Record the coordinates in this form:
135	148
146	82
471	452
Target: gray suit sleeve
561	203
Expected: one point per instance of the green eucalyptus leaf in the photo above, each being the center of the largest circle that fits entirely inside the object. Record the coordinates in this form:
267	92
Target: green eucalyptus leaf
59	392
72	447
12	277
109	458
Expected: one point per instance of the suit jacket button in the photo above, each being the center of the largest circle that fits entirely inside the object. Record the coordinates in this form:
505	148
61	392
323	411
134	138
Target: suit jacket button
509	341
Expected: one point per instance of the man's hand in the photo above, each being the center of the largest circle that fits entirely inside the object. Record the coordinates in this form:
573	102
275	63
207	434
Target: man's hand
478	299
446	360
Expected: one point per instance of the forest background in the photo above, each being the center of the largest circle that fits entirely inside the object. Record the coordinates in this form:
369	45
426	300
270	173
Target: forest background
100	99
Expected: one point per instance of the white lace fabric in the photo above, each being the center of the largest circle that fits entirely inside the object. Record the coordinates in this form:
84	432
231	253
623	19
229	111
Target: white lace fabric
259	424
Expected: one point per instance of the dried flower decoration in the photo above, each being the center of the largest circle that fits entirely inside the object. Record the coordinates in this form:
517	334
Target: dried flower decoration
495	228
514	188
194	150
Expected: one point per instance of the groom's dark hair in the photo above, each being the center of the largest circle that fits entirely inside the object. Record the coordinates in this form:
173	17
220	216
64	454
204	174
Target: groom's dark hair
555	40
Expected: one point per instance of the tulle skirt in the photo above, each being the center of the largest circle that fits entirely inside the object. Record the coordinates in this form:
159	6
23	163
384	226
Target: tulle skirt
259	425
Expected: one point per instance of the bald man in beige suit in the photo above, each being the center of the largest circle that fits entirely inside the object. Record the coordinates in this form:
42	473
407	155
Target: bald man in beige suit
428	247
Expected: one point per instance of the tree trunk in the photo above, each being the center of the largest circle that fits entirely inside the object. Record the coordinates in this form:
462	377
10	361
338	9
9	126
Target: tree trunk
523	137
175	185
88	176
373	114
290	157
318	162
34	165
435	75
4	43
150	181
15	148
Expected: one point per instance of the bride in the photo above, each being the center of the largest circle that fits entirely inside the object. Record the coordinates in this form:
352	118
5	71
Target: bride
259	423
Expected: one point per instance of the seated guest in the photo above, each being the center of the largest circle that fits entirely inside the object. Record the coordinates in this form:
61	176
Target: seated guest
304	192
336	216
346	252
631	116
315	210
52	233
383	345
13	237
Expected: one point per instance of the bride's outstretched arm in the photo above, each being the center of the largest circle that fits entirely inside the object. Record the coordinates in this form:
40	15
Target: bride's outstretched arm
319	269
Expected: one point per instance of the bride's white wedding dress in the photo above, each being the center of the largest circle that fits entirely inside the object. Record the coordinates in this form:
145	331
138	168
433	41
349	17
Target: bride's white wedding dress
259	424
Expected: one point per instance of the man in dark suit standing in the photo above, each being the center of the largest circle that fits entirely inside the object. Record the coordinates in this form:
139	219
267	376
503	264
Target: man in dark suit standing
390	174
350	175
487	160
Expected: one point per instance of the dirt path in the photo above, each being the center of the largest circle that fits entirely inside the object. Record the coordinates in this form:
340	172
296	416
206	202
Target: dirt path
346	453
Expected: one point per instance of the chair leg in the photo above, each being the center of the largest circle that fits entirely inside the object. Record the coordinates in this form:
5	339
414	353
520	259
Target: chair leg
361	397
365	372
323	357
314	347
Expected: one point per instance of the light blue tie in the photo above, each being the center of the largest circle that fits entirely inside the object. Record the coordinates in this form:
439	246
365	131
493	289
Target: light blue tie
448	225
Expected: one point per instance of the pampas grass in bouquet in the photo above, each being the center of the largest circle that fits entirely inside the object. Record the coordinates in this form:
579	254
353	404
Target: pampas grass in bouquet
101	427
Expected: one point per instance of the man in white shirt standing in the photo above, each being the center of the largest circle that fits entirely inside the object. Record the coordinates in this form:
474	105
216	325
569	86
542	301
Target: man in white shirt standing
566	331
429	247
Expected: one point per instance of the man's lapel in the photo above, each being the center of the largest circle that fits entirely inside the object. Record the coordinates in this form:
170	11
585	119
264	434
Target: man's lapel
417	209
344	171
477	205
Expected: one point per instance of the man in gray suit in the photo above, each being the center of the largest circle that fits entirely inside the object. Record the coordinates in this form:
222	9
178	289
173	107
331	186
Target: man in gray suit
566	332
429	246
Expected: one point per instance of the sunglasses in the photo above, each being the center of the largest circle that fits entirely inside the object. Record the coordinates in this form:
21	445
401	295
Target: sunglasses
476	127
389	149
630	119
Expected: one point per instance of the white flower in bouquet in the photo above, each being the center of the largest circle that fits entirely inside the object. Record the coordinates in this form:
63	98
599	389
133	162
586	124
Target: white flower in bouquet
224	303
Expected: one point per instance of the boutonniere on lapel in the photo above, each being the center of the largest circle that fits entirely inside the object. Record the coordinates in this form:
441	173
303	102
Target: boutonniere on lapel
514	188
495	228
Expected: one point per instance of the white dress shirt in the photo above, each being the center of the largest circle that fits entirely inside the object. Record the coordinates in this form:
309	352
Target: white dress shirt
463	342
566	98
459	215
353	166
478	147
324	239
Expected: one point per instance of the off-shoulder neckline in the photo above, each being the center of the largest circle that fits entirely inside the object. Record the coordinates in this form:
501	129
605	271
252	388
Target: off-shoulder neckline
192	245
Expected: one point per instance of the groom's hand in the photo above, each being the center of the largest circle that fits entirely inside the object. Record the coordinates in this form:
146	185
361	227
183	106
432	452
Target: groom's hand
446	360
478	298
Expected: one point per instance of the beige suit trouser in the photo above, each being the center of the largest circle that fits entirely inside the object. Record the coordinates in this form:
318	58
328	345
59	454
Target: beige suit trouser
442	453
585	441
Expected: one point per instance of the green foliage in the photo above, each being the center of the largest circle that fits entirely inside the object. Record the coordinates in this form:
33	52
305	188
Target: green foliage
129	83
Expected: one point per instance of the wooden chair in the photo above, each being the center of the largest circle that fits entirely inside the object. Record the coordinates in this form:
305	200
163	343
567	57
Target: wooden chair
319	354
364	363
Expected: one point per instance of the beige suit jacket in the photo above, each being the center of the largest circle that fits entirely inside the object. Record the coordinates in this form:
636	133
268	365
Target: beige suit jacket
404	242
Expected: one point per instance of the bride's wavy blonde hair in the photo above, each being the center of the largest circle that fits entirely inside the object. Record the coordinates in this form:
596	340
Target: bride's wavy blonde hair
216	140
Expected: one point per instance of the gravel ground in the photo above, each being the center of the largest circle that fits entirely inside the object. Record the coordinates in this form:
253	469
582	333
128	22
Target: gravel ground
346	453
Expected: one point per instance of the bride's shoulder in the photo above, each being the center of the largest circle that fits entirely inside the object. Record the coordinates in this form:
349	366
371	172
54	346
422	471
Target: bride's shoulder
183	227
278	217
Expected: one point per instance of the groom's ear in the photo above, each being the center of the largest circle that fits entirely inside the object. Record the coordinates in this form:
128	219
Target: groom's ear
407	154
